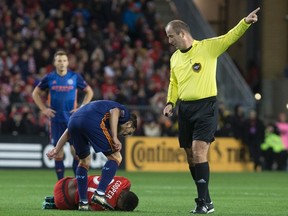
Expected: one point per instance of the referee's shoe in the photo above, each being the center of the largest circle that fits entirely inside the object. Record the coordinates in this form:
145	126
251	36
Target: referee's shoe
202	207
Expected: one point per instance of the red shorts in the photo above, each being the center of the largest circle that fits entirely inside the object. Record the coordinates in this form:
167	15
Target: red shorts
61	196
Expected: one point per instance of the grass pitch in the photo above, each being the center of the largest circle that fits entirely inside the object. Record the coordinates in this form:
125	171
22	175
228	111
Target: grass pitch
241	194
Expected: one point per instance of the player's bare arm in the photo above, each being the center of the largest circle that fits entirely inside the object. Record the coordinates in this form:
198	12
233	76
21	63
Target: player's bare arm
87	98
61	142
88	95
36	94
114	117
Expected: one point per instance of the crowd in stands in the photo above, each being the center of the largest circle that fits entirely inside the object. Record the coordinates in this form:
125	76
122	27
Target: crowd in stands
120	48
266	142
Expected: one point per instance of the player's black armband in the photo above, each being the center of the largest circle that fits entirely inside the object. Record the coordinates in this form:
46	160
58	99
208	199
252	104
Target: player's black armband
170	103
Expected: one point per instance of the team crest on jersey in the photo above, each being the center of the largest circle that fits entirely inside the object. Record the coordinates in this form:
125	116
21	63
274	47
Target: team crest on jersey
196	67
54	82
70	81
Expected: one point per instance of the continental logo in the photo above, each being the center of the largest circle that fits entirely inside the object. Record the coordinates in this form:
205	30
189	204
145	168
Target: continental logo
164	154
155	154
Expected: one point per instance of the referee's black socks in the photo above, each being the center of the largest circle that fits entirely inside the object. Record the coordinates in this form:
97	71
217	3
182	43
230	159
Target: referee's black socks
202	173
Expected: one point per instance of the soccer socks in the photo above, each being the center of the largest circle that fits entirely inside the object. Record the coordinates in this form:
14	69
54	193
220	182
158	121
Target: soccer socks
202	180
82	181
108	173
59	168
75	164
192	171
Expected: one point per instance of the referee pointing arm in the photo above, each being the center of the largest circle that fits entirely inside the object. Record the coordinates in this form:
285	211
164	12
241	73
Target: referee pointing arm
193	83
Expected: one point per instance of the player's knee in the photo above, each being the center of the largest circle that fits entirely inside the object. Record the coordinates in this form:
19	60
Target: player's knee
72	150
85	162
115	156
199	157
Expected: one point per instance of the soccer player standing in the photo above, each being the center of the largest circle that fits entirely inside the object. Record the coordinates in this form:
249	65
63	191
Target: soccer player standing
62	85
193	82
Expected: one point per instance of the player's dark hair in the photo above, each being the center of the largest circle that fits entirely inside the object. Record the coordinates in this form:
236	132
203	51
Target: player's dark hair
178	26
129	201
60	53
133	118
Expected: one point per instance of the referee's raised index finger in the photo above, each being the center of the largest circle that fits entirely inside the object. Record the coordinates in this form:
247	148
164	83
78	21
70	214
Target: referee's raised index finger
256	10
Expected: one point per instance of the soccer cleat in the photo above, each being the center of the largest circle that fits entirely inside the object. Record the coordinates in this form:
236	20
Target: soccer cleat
84	207
49	203
201	207
49	199
210	207
101	200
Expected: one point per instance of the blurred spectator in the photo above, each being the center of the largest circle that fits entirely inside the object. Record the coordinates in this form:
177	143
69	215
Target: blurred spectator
16	95
253	137
5	61
168	126
4	96
17	124
224	128
273	149
237	120
151	127
282	124
121	58
253	76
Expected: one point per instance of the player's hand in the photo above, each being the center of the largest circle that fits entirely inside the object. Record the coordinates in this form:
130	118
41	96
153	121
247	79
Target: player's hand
252	17
117	144
52	153
50	113
168	110
74	110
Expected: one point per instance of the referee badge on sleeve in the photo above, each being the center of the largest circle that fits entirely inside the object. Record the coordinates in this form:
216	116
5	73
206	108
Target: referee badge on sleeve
196	67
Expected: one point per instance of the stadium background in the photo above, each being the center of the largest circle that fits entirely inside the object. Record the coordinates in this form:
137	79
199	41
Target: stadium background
121	49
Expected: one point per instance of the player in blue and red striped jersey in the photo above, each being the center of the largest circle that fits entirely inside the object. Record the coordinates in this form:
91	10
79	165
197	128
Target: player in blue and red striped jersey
62	85
97	124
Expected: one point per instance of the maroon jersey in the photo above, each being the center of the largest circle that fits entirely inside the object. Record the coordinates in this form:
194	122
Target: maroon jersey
115	187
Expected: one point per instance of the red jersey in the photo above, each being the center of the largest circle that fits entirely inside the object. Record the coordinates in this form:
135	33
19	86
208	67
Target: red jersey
115	187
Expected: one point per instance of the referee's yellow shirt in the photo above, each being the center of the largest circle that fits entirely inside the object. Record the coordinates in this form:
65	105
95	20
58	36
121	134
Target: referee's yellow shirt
193	73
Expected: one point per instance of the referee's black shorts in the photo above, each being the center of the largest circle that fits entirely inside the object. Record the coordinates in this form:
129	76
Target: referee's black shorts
197	121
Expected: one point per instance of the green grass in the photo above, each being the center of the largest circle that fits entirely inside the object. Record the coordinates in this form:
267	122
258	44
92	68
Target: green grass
22	193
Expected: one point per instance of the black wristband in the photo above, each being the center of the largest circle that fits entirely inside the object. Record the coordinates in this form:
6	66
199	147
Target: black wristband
170	103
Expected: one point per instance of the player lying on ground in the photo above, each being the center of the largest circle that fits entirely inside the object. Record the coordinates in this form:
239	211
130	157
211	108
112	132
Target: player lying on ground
118	194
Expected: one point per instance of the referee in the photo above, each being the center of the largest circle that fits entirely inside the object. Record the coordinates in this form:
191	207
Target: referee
193	83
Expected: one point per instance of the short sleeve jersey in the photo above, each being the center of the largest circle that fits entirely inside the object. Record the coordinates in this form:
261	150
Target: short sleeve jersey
96	110
115	187
62	95
113	191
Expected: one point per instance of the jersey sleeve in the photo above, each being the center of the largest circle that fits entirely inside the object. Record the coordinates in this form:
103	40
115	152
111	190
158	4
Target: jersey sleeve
61	195
220	44
44	83
124	114
81	83
172	95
